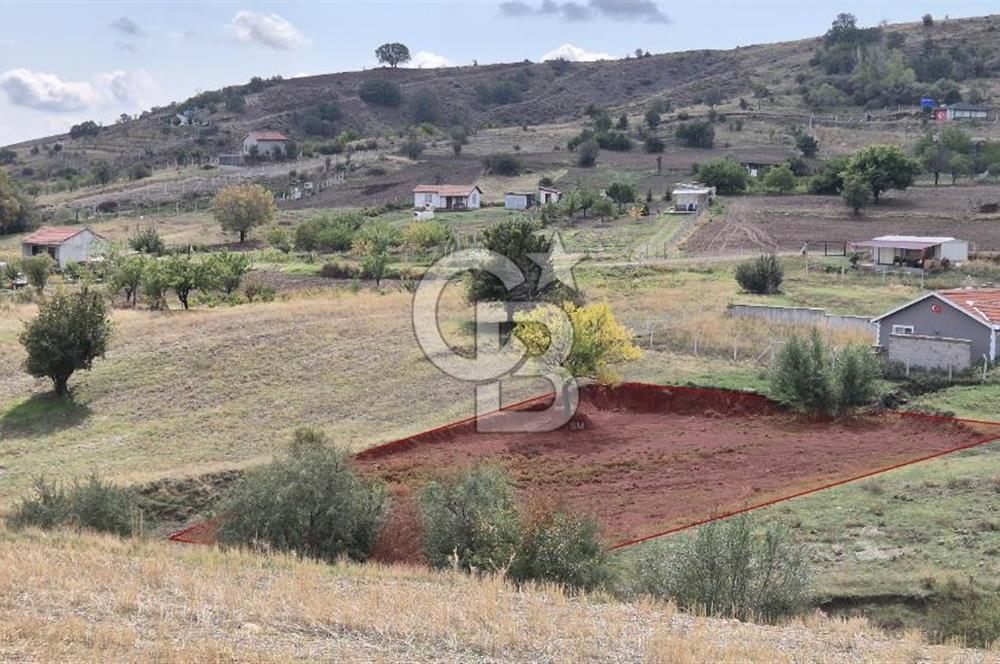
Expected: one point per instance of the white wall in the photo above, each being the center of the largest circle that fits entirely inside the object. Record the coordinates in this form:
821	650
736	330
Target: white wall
955	251
515	201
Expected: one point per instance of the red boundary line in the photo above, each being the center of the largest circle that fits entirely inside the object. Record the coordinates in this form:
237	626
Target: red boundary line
181	535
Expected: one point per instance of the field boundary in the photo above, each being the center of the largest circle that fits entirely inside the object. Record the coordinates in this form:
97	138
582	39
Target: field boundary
203	532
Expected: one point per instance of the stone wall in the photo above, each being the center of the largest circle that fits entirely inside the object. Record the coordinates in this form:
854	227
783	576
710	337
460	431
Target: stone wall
933	353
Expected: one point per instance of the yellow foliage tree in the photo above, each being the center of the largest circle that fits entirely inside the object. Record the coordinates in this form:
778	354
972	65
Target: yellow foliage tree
239	209
599	341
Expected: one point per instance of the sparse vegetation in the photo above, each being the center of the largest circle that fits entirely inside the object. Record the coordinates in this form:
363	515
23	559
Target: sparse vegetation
762	275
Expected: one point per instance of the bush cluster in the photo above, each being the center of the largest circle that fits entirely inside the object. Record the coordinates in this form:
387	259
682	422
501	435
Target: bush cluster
762	275
332	231
380	92
92	505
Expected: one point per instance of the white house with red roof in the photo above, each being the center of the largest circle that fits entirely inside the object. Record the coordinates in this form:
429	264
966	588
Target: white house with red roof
64	244
447	197
267	143
942	318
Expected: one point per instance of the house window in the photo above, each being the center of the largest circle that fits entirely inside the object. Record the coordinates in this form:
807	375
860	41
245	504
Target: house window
902	329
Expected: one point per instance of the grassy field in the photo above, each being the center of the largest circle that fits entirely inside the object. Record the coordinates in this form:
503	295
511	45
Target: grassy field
67	596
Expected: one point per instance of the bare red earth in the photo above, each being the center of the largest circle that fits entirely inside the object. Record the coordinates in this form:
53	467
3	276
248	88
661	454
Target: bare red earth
648	459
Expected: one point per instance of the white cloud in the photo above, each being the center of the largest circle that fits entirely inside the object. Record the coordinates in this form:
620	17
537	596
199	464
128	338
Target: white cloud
576	54
268	30
48	92
428	60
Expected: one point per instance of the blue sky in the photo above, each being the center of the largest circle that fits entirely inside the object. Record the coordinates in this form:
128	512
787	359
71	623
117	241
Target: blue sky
61	63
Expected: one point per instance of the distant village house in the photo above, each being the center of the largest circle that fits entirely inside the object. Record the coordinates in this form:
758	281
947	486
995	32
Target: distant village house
691	198
265	143
64	245
960	111
913	250
447	196
522	200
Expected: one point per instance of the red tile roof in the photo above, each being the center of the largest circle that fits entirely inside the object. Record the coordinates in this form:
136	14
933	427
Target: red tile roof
445	189
52	235
983	303
267	136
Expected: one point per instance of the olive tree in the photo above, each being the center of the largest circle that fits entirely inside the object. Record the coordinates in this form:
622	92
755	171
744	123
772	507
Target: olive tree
393	54
69	333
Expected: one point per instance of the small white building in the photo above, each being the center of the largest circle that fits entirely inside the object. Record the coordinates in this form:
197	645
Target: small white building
914	250
447	196
963	111
64	245
268	143
548	195
691	198
519	200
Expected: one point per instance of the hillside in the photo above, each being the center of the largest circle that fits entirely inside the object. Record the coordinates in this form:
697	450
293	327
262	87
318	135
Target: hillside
771	86
60	600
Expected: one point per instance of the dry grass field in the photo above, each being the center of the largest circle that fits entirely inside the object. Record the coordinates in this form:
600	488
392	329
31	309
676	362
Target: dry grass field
69	596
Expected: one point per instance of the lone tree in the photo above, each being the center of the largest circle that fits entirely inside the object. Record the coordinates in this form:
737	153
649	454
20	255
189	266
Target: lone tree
621	193
69	333
517	240
239	209
392	54
882	167
855	192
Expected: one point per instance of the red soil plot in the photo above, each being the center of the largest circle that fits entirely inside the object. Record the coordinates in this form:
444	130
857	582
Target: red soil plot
644	459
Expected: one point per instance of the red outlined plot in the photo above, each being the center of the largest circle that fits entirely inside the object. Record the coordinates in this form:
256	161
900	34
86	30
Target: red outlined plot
649	460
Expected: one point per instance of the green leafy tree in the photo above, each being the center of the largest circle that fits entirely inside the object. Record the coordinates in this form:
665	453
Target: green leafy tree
311	502
584	198
185	274
696	134
102	171
800	376
587	153
155	284
807	144
147	240
621	193
380	92
653	118
69	333
830	179
727	176
12	272
228	269
780	179
14	207
279	239
125	275
855	192
517	240
240	209
882	167
933	156
959	165
392	54
856	374
373	243
331	231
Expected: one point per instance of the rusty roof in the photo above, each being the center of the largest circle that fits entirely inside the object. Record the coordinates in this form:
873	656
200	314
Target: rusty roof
267	136
53	235
982	303
445	189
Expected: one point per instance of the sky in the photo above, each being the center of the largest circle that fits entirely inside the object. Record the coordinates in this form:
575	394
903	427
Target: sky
65	62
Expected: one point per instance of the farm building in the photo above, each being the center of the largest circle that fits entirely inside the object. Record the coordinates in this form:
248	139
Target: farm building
522	200
548	195
948	329
913	250
63	244
690	198
757	168
519	200
447	196
267	143
960	111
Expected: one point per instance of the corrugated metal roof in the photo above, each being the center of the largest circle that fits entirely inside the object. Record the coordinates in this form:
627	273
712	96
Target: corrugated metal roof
904	242
53	235
984	303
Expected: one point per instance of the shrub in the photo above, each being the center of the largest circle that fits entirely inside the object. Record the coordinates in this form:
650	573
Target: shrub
37	269
653	118
732	568
328	232
279	239
800	377
69	333
154	284
761	275
780	179
426	106
427	234
830	179
412	148
147	240
727	176
470	521
807	145
499	92
140	171
228	269
696	134
335	270
502	164
310	502
562	548
91	505
654	144
380	92
855	376
614	140
587	153
960	610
